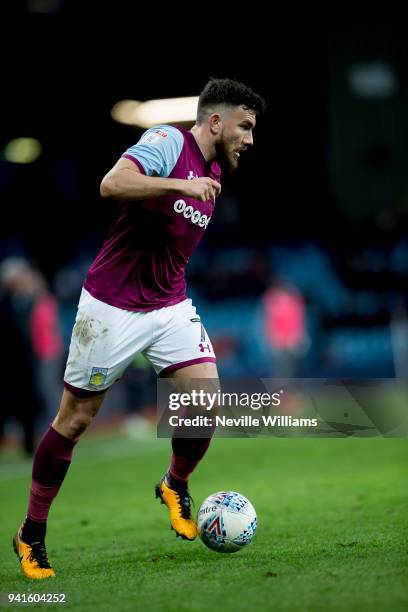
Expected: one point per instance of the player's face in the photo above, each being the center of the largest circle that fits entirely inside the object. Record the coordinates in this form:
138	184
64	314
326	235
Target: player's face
237	125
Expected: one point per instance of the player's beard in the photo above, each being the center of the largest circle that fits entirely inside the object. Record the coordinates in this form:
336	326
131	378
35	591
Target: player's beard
225	158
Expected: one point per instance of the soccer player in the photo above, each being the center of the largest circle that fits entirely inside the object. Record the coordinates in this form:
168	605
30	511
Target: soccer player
134	297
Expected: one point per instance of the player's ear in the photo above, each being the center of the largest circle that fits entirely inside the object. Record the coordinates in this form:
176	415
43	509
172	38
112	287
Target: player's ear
215	123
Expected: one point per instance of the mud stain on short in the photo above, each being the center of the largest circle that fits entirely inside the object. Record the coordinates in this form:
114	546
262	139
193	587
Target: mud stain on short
83	331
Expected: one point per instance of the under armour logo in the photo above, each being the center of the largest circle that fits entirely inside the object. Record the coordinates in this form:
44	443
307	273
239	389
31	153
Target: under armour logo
204	346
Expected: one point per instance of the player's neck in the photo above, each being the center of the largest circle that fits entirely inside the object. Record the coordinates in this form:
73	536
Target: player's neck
205	142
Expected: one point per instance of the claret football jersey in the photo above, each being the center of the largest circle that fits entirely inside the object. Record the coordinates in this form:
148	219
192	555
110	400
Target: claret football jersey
141	265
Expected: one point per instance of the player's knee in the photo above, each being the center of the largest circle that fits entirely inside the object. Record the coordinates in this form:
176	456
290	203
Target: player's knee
75	414
207	396
79	423
212	391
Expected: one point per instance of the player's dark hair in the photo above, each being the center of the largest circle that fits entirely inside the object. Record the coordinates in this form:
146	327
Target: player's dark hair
230	92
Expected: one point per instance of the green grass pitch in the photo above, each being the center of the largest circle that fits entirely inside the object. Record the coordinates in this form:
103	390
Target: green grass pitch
332	531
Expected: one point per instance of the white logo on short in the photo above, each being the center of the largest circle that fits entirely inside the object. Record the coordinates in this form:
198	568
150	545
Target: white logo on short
191	176
191	213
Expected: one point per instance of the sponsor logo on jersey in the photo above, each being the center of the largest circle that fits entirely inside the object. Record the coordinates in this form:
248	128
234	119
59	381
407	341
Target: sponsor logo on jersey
161	133
191	176
188	212
98	376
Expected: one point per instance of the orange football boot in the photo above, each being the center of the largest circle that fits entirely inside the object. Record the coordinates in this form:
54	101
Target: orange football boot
33	559
178	501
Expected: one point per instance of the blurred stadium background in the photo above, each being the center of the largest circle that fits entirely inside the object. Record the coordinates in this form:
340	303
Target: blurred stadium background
304	269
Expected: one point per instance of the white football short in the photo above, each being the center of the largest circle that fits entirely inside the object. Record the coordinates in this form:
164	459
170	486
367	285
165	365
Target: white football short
105	340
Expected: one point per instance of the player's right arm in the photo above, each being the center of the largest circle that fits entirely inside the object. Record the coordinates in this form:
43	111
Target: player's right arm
142	172
126	183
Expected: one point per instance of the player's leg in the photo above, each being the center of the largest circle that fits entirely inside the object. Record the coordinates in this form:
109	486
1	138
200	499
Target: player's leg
104	341
183	352
51	462
187	452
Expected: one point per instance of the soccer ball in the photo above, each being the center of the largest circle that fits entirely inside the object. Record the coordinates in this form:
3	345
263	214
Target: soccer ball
226	521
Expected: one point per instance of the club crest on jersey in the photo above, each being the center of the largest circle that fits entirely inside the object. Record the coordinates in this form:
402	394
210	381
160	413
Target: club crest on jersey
191	213
98	376
191	176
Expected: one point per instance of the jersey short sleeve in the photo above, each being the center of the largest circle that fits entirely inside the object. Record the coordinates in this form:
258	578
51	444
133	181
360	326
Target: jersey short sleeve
158	150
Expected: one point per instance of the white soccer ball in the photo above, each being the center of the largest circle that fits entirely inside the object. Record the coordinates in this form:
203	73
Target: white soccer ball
226	521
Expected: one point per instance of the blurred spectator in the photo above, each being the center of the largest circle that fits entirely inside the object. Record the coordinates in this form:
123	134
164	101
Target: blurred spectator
32	363
285	327
68	285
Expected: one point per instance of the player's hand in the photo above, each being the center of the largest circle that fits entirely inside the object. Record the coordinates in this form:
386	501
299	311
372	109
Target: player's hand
203	189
